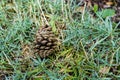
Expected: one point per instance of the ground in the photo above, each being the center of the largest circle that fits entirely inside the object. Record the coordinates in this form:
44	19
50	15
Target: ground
89	35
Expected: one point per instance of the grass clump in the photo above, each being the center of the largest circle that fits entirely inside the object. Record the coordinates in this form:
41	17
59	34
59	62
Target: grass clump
90	46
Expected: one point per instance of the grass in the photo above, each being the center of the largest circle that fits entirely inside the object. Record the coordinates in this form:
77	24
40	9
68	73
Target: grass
90	48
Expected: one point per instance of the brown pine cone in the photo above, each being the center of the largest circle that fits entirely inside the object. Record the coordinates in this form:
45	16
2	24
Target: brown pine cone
45	41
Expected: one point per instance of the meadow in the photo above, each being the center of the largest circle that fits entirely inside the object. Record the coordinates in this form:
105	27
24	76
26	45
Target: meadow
89	49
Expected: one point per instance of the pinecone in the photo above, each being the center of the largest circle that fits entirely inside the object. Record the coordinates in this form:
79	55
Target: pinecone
45	42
